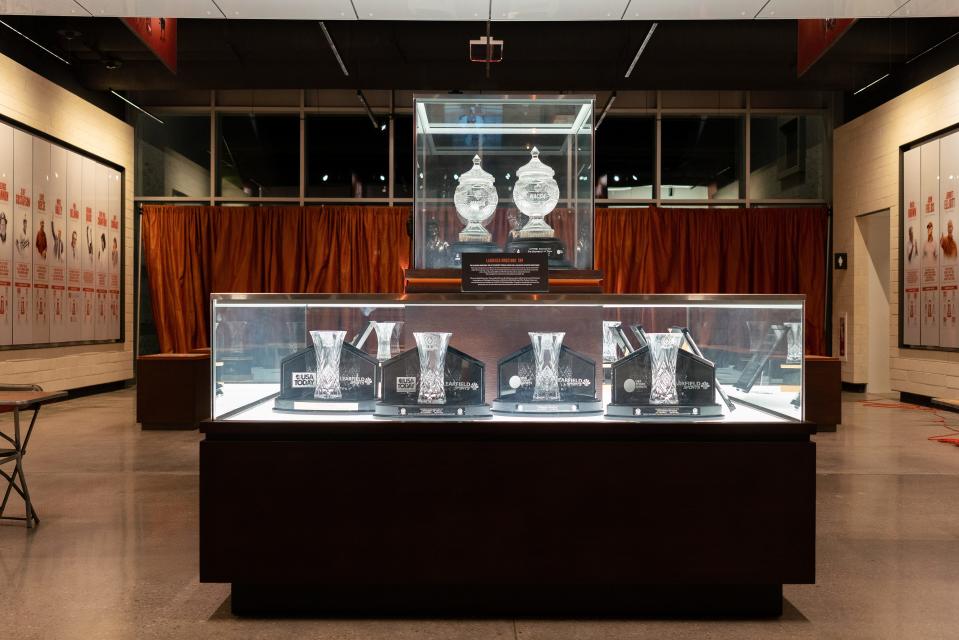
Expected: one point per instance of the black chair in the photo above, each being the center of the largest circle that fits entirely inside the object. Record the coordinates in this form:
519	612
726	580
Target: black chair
15	456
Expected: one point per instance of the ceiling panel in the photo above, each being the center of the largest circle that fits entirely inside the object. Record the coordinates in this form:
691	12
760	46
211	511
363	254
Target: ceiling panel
784	9
928	9
152	8
288	9
41	8
559	10
422	9
693	9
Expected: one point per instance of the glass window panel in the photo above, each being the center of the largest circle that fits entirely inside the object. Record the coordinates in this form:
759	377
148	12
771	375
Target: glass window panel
346	157
405	176
173	158
259	156
702	157
625	156
787	156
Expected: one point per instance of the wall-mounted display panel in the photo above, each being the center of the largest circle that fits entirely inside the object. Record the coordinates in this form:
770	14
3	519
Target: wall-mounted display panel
929	254
61	214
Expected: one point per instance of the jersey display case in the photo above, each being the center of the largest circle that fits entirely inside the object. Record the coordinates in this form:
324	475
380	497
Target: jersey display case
510	454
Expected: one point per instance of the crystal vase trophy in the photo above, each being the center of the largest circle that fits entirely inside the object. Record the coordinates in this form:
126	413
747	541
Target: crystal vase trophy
384	339
546	348
328	345
432	351
665	377
609	341
794	342
663	350
475	200
536	194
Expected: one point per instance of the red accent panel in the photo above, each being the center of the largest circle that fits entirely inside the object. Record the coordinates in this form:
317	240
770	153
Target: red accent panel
815	37
159	35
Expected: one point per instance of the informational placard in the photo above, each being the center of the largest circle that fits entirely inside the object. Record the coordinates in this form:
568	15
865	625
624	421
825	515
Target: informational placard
910	255
42	244
929	252
57	256
929	227
60	243
114	245
23	237
75	246
88	198
948	249
505	272
7	227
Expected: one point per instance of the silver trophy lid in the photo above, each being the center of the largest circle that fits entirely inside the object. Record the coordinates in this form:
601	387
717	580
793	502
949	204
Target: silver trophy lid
476	175
535	167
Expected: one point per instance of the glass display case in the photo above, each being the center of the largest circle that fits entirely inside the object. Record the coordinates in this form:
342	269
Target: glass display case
713	358
503	174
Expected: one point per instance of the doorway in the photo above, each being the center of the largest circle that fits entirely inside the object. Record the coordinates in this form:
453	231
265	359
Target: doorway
874	228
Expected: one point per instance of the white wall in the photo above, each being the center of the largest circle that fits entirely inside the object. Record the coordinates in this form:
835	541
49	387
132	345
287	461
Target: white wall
866	178
36	102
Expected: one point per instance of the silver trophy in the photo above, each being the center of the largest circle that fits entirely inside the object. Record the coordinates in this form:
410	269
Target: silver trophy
432	351
475	199
536	194
609	340
327	346
794	342
384	339
663	349
546	349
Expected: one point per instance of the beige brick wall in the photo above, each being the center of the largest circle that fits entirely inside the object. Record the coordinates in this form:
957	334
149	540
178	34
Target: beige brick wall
38	103
866	179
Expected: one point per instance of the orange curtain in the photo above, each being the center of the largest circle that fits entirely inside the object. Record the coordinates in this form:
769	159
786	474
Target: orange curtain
190	252
757	250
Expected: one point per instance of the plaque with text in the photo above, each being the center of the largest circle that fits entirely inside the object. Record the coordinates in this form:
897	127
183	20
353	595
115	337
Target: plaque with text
462	383
358	373
505	273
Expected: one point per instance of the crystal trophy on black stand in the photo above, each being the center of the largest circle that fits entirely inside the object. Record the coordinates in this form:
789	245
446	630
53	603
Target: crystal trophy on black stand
536	194
331	376
666	376
433	380
475	199
546	378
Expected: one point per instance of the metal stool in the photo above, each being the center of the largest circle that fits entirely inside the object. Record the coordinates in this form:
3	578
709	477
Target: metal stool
15	455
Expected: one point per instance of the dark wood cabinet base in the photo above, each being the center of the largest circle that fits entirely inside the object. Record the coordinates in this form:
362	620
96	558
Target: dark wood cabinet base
566	517
685	601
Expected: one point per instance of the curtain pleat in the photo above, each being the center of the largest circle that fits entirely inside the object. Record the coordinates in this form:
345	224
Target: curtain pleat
190	252
768	250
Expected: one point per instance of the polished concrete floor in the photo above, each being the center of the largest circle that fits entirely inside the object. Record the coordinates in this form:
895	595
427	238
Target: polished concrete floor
116	553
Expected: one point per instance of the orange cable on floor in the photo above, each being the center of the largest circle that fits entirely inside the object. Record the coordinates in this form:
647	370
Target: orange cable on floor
938	421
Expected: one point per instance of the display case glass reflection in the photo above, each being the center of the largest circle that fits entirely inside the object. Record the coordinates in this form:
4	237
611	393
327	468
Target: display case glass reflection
640	358
503	174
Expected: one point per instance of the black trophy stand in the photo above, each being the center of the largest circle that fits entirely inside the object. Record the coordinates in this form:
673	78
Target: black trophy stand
463	377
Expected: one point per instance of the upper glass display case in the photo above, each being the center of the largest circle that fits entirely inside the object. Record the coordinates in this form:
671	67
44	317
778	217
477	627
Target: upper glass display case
503	174
280	357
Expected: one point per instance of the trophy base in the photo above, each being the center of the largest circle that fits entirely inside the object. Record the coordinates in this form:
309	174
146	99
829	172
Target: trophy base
663	411
313	405
459	248
432	411
552	247
548	407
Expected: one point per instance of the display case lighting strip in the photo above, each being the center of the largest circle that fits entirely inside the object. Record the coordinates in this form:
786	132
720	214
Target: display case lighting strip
708	305
502	128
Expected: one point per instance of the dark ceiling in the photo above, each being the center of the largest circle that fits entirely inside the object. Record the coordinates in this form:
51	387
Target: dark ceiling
588	56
